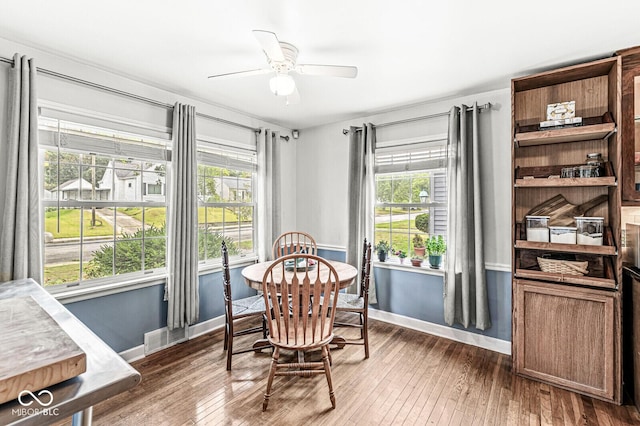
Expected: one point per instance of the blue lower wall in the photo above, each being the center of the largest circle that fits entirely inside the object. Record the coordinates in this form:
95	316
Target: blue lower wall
122	319
420	296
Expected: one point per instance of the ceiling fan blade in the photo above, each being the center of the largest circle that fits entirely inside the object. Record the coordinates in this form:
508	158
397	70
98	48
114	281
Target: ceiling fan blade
293	98
270	45
242	73
330	70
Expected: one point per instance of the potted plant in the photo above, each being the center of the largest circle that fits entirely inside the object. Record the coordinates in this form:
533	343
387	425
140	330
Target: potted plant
436	247
416	260
418	245
382	248
401	254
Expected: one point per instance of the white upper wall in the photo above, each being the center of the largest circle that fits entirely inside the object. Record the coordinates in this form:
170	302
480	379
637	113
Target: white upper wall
321	191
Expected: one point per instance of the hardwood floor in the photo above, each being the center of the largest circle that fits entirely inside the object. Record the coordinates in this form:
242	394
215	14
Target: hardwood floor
410	378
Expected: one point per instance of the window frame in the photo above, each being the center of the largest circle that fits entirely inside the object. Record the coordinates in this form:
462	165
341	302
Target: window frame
55	139
386	166
221	149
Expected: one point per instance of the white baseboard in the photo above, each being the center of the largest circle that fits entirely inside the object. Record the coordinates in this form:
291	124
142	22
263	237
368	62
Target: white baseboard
482	341
136	353
203	327
133	354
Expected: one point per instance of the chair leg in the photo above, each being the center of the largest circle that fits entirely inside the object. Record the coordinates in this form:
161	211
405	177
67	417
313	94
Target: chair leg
365	332
226	335
362	321
229	350
327	372
272	373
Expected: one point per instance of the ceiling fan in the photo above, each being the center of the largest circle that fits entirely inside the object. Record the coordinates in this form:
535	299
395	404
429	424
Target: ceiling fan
281	58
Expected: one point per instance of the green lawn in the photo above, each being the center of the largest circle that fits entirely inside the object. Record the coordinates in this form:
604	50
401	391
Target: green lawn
399	238
61	274
69	221
156	216
215	215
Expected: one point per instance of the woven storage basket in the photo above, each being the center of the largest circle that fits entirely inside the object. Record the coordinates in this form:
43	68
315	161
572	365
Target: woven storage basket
567	267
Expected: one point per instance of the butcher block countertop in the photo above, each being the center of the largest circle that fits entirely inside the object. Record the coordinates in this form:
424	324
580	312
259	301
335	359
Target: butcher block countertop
41	353
42	342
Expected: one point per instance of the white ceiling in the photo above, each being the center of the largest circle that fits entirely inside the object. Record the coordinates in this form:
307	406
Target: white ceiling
407	51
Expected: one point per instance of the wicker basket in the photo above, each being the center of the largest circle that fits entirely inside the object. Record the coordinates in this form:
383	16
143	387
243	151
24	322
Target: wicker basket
566	267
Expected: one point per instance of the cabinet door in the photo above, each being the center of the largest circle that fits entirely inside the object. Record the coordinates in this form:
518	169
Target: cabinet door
565	336
630	126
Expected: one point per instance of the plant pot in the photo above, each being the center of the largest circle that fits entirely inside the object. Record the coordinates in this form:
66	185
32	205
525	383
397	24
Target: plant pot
416	262
382	256
401	259
435	260
419	251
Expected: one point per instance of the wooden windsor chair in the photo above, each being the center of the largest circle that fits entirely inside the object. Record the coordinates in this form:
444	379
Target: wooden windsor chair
237	310
296	319
357	304
294	242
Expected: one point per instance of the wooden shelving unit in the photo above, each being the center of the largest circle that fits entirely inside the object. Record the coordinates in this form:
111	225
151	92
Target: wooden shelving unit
538	159
549	176
569	134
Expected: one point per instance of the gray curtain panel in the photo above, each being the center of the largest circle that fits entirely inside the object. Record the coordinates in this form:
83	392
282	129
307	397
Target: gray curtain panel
182	256
269	192
361	199
21	236
465	287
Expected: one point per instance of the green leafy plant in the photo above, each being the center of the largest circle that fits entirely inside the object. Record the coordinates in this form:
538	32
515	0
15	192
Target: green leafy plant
422	222
436	245
400	253
416	257
382	246
128	254
418	242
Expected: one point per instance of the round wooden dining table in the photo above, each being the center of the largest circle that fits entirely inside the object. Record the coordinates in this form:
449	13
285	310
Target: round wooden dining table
253	274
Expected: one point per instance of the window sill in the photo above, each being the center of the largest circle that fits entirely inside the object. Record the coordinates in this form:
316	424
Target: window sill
407	267
90	291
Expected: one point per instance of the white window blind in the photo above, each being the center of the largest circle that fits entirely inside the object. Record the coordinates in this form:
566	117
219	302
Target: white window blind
411	155
228	158
85	138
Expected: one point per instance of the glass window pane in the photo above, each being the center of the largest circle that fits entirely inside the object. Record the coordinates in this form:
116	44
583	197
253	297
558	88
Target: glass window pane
128	256
155	218
61	262
126	181
383	188
399	229
98	259
401	189
154	184
129	222
155	248
97	222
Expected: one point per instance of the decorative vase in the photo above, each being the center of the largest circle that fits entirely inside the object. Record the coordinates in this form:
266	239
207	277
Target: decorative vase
419	251
402	260
435	260
382	256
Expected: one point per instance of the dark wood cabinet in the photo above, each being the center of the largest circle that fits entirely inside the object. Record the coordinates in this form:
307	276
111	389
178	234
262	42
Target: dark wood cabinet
630	126
567	328
566	336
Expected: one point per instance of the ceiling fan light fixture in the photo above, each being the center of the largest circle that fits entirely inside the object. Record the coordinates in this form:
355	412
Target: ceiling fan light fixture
282	85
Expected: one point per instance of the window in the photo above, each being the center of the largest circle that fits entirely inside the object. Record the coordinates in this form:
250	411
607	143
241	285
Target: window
101	220
227	208
404	172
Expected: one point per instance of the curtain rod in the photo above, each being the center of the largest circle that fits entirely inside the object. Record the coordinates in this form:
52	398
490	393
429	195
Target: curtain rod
129	95
409	120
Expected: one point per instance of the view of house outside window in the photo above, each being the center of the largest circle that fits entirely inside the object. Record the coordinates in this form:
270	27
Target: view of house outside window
411	194
227	208
100	219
